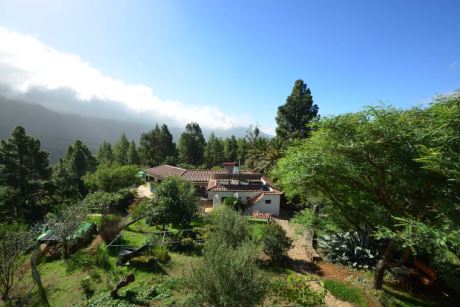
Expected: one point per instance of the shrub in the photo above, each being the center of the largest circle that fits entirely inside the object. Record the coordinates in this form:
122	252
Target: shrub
105	202
350	248
111	178
110	226
296	289
227	276
80	260
275	242
229	226
87	287
234	203
101	257
345	292
161	253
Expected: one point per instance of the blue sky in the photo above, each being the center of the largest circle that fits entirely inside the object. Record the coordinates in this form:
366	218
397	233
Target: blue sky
243	57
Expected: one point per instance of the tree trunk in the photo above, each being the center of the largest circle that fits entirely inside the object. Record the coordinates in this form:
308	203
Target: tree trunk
382	265
122	283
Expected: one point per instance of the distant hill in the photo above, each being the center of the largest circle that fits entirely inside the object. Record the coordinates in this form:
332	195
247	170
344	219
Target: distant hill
57	131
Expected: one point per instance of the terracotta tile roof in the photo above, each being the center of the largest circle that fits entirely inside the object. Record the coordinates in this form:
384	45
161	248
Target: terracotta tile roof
237	188
200	175
163	171
212	184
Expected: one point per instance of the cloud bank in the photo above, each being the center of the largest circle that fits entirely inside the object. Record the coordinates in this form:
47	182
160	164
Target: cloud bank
35	72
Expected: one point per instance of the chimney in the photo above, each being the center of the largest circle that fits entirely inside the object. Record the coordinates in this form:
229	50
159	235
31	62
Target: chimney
231	167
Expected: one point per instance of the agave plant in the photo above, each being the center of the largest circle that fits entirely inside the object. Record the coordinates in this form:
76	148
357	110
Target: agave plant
357	249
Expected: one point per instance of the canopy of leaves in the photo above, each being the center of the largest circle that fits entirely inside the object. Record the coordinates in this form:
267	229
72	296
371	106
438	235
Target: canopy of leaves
111	178
191	145
157	147
174	203
104	202
275	242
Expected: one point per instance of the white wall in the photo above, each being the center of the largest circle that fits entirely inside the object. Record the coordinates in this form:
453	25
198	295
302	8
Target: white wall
273	208
216	197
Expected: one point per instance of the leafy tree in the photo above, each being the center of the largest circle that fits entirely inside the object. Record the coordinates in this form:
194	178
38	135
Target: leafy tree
25	171
78	160
107	202
242	150
214	151
191	145
295	115
65	224
275	242
231	149
120	150
235	203
133	155
112	178
157	146
65	188
13	244
374	167
105	153
174	203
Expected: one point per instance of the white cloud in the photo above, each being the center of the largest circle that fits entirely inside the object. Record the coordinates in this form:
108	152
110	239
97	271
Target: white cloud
27	65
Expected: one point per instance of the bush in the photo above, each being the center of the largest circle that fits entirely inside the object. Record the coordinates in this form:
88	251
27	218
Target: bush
350	248
110	227
296	289
234	203
345	292
229	227
275	242
227	276
87	287
80	260
161	253
105	202
101	257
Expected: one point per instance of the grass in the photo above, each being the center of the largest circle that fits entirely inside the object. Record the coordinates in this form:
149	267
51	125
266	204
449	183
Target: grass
346	292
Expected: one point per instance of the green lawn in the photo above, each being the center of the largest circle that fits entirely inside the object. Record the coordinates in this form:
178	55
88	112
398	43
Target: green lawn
346	292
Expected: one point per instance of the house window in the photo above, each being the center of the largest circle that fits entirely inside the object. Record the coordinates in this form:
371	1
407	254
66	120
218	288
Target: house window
268	201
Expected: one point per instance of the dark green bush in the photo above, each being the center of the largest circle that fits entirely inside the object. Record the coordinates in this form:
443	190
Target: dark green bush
275	242
234	203
161	253
106	202
80	260
101	257
110	227
87	287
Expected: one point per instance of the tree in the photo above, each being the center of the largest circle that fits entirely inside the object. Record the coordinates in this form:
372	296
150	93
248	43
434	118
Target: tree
294	116
191	145
242	150
275	242
65	188
229	227
231	149
13	244
157	146
64	226
214	151
105	153
227	276
373	167
133	155
264	153
112	178
234	203
78	160
120	150
25	171
174	203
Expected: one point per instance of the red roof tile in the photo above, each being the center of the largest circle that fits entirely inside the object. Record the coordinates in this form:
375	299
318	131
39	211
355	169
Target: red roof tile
163	171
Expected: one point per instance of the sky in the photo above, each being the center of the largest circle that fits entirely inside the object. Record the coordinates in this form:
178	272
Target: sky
226	64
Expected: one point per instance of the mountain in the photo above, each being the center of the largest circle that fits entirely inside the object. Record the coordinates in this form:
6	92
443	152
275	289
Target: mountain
57	131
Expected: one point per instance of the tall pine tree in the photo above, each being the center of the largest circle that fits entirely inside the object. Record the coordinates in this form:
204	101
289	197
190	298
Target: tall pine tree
191	145
120	150
24	171
298	111
105	153
214	151
133	155
157	146
231	149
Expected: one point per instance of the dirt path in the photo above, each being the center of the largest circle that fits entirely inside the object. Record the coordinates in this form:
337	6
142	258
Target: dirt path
299	251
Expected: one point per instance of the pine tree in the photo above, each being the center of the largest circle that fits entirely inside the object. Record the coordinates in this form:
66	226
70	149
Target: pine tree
231	149
191	145
242	150
78	161
214	151
156	146
133	155
120	150
24	171
298	111
105	153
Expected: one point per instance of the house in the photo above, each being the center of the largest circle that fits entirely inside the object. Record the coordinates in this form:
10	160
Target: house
215	185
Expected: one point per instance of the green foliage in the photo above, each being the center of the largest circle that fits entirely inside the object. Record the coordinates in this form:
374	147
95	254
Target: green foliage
120	150
105	154
65	187
24	172
101	258
227	276
81	260
357	249
160	252
174	203
231	149
133	154
111	178
110	227
345	292
214	151
297	289
234	203
294	116
157	147
191	145
104	202
229	227
88	288
263	153
275	242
